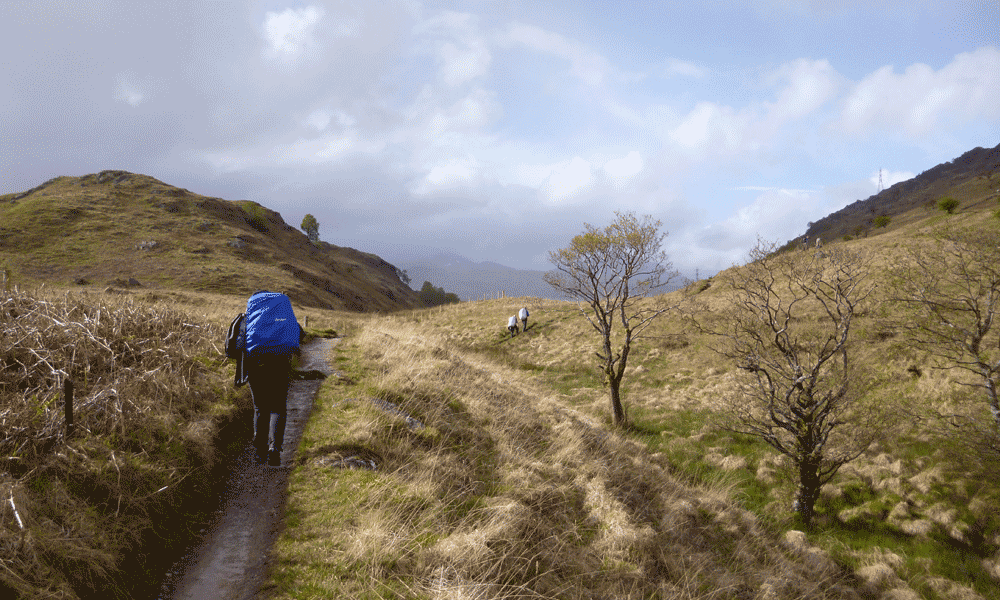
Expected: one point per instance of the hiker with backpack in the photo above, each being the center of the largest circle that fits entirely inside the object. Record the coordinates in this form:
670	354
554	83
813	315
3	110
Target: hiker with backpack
264	340
512	326
523	315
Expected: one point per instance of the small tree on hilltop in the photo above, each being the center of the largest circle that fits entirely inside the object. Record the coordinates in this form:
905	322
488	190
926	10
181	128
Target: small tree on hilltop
613	270
788	329
311	226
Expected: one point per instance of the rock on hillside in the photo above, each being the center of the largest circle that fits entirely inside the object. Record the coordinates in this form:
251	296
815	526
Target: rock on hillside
114	226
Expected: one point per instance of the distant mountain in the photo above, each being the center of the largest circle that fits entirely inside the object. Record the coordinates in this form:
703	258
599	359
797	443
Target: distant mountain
125	230
961	179
475	280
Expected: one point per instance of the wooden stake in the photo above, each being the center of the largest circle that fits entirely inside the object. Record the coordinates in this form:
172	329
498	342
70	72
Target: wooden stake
68	402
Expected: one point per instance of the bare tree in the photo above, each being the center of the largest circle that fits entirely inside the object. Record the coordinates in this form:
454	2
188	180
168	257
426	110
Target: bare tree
952	287
613	271
788	330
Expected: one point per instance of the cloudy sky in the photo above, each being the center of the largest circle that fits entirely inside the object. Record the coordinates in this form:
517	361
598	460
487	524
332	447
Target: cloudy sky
495	129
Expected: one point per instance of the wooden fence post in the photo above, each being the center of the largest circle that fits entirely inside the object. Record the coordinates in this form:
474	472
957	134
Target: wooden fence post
68	402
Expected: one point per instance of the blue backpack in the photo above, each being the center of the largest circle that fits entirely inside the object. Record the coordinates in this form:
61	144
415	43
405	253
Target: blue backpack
271	325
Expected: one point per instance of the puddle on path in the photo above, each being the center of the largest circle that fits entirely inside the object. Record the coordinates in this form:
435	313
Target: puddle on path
230	561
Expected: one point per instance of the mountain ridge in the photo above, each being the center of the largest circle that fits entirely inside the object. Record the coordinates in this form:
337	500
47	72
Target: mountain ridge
924	190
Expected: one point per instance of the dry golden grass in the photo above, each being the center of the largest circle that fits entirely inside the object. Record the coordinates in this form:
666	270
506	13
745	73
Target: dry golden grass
505	490
516	487
79	512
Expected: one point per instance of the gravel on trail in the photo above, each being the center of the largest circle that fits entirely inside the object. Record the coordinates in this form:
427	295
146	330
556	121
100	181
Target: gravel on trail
230	562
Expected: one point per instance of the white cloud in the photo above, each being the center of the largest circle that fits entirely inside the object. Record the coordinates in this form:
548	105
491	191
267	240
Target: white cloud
331	148
461	49
291	31
318	119
919	101
776	215
712	128
568	179
623	168
759	188
586	65
449	174
809	84
321	118
129	90
802	88
472	112
683	68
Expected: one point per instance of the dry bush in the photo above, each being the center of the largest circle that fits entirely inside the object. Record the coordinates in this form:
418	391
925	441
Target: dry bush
78	508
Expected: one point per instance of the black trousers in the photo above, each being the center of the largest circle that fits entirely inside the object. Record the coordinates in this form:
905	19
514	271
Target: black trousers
268	375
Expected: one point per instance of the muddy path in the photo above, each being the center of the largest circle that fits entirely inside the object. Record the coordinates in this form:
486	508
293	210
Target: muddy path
230	561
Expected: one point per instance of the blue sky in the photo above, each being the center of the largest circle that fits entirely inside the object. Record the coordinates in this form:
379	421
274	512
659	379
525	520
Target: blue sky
496	129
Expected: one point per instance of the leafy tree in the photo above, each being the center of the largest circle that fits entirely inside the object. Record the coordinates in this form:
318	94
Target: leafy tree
403	275
258	218
948	204
881	221
311	226
788	330
613	270
436	296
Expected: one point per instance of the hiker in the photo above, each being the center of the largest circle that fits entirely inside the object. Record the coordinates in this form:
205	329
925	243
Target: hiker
512	326
272	336
523	315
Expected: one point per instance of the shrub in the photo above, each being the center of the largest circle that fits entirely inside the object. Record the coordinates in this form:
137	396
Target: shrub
436	296
258	219
143	379
881	221
948	204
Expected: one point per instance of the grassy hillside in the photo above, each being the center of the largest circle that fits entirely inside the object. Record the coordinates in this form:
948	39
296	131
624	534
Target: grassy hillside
111	227
973	179
452	461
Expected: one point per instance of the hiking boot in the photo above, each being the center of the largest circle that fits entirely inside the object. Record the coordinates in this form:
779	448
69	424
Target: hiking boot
273	458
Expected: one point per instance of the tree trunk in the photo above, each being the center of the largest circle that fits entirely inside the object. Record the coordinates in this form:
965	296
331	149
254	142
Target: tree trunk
808	492
991	390
617	410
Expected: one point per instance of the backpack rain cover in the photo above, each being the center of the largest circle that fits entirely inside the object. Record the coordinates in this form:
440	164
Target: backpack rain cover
271	325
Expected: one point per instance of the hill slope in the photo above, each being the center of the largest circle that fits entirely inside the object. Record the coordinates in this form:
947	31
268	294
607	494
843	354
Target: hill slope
972	179
112	227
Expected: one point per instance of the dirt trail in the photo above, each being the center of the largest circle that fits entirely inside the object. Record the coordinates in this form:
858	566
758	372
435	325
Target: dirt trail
230	561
